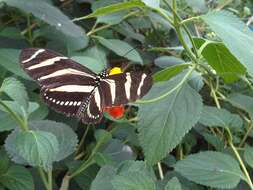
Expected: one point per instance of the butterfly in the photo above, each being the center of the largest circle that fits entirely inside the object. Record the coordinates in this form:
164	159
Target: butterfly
74	90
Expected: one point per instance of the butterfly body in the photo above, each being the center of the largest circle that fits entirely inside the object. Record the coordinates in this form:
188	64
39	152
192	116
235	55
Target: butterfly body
74	90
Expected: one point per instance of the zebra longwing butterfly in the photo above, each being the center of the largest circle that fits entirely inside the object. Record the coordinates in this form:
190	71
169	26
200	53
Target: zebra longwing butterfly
74	90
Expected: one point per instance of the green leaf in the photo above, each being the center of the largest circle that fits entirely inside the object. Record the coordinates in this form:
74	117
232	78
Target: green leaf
9	59
115	8
49	14
243	102
97	53
234	33
121	48
197	5
173	184
4	162
91	63
66	137
162	129
7	122
103	179
16	91
110	18
169	72
167	61
248	155
222	61
38	148
17	178
213	117
152	3
133	181
212	169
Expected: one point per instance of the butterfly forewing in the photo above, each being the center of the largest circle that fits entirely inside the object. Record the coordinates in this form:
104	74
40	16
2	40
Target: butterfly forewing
65	84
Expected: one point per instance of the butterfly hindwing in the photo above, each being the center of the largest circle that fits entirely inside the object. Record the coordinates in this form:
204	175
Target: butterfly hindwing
124	88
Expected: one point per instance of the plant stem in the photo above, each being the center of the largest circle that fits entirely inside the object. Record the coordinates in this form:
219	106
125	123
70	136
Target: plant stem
43	177
191	19
246	134
50	179
160	170
82	140
248	180
179	85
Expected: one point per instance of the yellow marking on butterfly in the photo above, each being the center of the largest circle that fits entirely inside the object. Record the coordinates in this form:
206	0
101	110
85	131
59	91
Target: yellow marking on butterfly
115	71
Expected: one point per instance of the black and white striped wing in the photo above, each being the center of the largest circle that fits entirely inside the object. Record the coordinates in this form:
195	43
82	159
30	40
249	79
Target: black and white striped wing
66	86
123	88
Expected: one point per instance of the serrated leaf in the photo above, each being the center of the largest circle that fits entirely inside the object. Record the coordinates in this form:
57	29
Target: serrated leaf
38	148
222	61
169	72
210	168
16	91
242	101
248	155
116	8
89	62
9	59
66	137
103	179
173	184
213	117
49	14
17	178
234	33
162	129
133	181
121	48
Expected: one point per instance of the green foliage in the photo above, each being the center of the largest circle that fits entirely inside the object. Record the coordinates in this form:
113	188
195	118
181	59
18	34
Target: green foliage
212	169
193	129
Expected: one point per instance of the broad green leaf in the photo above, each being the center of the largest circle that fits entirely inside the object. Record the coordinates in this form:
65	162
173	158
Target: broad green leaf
163	128
222	61
97	53
196	81
66	137
243	102
173	184
215	141
103	179
209	168
38	148
72	43
152	3
9	59
121	48
136	166
49	14
102	136
115	8
133	181
248	155
7	122
169	72
11	32
91	63
167	61
32	106
234	33
110	18
4	162
17	178
213	117
16	91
